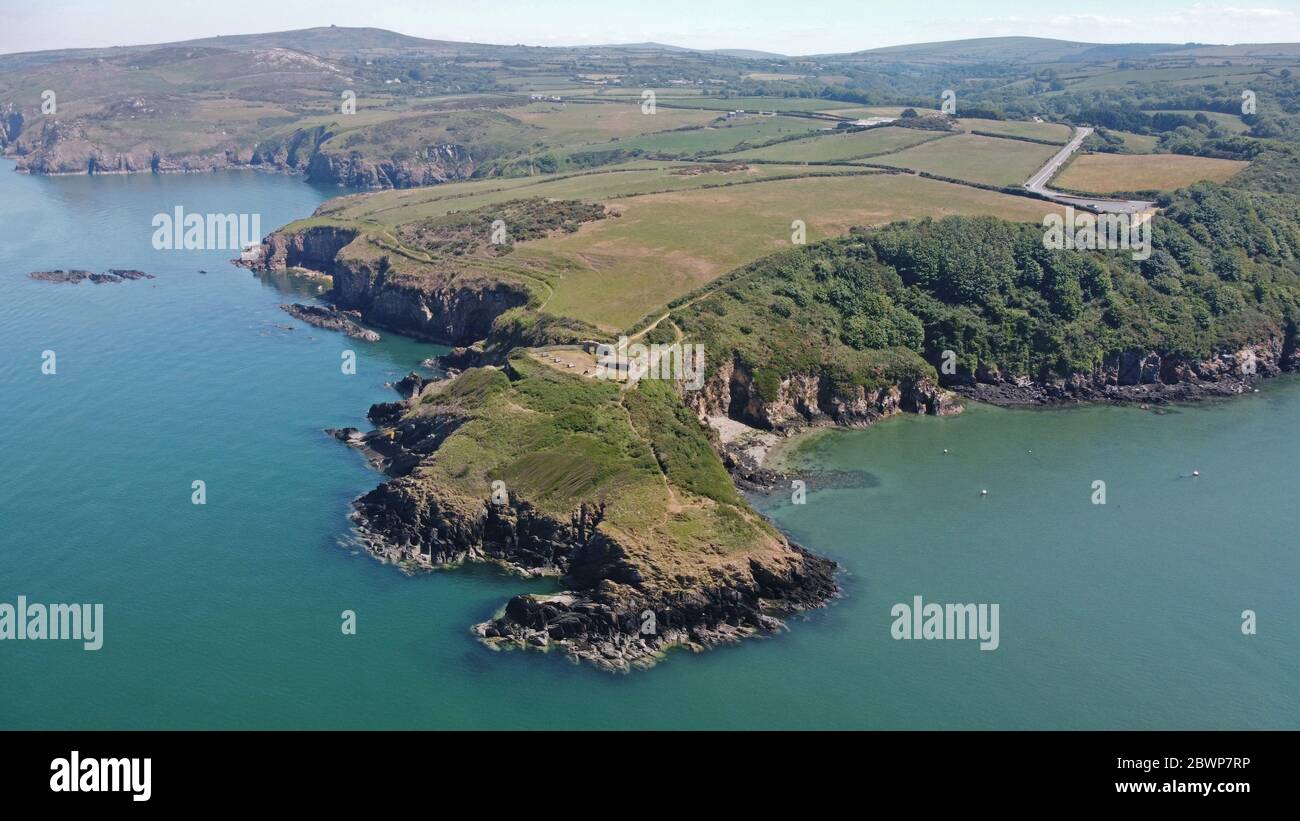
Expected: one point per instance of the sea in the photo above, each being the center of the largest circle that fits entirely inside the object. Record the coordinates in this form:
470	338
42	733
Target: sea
1170	603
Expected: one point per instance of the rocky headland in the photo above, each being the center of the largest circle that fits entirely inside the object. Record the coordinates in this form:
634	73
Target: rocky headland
638	578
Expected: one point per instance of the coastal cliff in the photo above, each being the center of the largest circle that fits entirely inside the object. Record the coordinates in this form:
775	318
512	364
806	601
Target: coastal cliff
65	147
11	124
811	399
447	304
434	164
1143	377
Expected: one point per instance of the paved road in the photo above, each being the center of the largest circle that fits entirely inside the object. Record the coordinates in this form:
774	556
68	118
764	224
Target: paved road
1038	182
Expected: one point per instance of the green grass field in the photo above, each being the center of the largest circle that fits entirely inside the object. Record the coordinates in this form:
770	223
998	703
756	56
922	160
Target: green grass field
1138	143
615	271
582	123
1055	132
395	207
837	146
987	160
862	112
1182	75
716	138
760	103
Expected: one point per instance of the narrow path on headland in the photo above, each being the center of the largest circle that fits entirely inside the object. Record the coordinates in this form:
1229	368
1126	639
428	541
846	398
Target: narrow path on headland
1038	182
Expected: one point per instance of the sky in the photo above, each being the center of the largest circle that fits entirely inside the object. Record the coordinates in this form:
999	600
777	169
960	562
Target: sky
805	27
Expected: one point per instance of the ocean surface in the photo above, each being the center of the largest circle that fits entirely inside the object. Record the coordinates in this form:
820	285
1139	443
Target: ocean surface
228	614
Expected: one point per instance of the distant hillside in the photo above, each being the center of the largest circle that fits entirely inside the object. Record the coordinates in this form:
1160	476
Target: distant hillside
741	53
336	42
329	40
1011	50
326	41
339	41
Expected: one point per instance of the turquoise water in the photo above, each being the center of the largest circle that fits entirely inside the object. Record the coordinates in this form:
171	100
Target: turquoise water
227	615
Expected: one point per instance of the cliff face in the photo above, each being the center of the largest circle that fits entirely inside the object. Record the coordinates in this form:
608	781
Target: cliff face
314	249
453	310
454	313
433	165
1144	376
292	153
810	399
11	124
63	147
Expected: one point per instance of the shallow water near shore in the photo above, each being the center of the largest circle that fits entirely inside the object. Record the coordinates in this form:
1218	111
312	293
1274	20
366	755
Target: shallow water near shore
227	615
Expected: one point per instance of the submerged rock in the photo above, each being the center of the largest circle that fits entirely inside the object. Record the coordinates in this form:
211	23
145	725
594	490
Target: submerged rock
74	276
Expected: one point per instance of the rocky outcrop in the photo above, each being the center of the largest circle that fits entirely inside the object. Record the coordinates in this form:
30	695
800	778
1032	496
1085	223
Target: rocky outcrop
331	319
75	276
625	604
72	276
609	615
619	626
410	385
313	249
1143	377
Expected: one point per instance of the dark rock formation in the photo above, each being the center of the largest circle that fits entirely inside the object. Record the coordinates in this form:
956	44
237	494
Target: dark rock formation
410	385
74	276
331	319
619	625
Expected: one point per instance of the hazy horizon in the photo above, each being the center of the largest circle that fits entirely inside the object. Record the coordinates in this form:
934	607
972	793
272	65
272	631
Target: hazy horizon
836	26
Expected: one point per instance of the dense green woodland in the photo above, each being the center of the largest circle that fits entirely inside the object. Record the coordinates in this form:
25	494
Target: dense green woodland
1225	270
